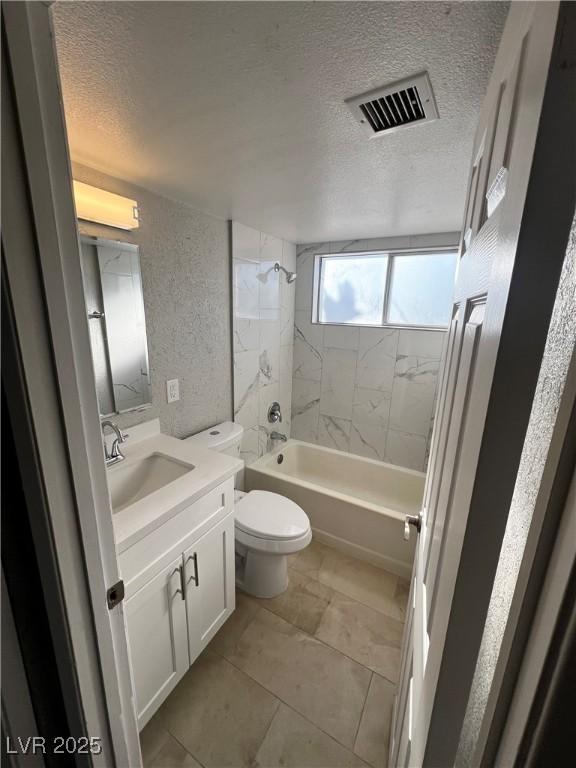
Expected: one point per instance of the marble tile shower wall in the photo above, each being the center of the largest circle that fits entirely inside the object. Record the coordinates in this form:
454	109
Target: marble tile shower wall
263	340
370	391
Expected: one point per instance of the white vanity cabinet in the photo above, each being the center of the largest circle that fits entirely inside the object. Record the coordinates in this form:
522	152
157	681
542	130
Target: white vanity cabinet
157	638
179	582
209	578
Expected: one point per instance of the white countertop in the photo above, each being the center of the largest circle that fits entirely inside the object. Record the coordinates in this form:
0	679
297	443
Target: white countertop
145	515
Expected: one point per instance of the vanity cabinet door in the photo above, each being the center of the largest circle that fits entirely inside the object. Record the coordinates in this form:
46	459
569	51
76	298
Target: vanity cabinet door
157	638
210	584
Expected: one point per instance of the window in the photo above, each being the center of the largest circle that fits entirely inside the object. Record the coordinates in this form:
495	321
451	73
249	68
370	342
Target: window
352	289
413	289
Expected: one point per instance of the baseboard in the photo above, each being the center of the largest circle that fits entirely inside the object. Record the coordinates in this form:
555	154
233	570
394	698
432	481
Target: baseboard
363	553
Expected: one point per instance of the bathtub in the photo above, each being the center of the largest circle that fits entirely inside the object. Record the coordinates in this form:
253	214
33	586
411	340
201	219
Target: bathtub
356	505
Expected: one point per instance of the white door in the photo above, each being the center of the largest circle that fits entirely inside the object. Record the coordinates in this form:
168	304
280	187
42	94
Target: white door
40	248
471	422
157	638
210	584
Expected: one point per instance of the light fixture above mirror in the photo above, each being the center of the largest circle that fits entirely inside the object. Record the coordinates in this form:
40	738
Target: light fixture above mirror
93	204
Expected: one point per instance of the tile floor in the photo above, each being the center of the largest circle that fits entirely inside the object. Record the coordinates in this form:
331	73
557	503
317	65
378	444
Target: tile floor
305	680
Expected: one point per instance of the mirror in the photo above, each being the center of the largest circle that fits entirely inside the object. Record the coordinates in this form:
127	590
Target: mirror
115	306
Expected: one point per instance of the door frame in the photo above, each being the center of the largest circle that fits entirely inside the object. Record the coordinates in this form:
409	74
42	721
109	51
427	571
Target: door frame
533	249
548	227
546	654
17	711
542	601
544	228
43	272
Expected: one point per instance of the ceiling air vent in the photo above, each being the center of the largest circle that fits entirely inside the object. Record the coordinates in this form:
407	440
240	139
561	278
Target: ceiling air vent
406	102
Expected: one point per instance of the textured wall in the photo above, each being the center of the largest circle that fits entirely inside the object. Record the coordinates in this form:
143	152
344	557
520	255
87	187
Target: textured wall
184	257
370	391
263	335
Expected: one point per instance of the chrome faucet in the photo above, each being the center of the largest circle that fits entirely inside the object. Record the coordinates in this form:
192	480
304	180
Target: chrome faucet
114	455
278	436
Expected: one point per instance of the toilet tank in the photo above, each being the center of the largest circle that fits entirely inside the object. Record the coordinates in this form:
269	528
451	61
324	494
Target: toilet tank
224	438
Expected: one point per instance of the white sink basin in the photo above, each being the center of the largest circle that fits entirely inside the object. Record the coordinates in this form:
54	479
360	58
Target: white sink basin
136	480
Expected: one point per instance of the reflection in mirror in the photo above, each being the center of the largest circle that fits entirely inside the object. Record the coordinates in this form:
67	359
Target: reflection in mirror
115	306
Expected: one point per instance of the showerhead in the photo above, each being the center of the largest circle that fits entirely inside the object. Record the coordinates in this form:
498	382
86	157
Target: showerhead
290	276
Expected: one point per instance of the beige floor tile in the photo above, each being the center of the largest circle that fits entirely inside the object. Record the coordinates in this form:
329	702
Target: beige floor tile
228	635
218	713
366	635
310	560
173	755
362	581
373	738
152	739
320	683
303	604
402	593
293	742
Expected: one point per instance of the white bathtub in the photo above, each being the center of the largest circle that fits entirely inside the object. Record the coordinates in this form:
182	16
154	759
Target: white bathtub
354	504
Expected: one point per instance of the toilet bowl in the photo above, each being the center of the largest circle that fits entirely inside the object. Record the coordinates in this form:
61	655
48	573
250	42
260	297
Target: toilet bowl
268	526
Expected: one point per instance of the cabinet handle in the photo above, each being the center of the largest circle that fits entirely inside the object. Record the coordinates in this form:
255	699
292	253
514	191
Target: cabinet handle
182	590
182	581
193	578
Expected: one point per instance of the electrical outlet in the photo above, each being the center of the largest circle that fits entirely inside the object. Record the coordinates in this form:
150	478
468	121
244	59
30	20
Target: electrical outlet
172	390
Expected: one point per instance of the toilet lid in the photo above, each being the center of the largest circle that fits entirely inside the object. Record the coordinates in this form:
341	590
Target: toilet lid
270	516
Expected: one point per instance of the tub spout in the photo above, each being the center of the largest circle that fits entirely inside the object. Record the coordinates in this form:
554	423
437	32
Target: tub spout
278	436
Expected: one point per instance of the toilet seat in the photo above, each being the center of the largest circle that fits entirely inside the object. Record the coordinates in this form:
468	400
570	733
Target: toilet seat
272	546
270	516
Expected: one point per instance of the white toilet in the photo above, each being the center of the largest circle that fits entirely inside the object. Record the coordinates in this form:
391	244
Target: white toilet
269	527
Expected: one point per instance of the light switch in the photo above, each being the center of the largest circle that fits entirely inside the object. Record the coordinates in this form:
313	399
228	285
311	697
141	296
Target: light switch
172	390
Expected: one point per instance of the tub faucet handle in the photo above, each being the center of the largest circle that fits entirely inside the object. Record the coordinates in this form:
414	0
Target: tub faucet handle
415	520
274	413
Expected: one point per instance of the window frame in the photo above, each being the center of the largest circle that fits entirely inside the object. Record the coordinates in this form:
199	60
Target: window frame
392	254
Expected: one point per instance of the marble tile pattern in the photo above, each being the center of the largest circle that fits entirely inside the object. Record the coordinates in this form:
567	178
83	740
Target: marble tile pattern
370	391
305	680
263	335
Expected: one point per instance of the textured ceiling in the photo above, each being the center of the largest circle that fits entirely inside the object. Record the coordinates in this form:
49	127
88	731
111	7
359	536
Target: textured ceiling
238	108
